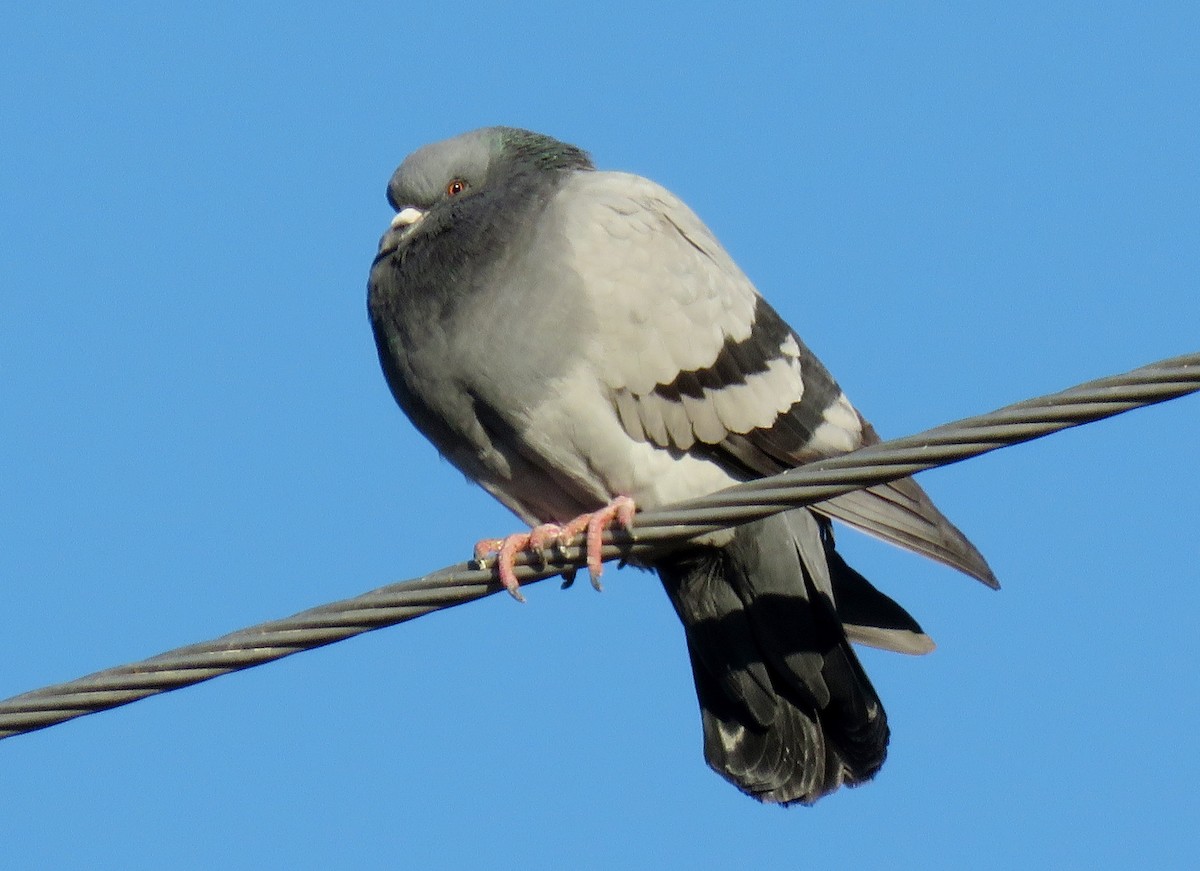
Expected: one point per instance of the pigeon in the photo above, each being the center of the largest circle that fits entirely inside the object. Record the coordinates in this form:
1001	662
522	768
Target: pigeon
579	343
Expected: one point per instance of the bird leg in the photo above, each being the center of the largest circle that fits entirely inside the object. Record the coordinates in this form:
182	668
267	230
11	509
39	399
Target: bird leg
619	512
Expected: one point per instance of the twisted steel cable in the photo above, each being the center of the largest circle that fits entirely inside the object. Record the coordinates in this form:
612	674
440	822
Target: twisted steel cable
654	532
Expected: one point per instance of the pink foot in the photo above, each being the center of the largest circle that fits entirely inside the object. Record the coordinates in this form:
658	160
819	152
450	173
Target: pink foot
619	511
507	548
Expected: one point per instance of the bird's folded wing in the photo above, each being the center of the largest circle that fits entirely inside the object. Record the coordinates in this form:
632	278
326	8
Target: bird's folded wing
689	350
697	362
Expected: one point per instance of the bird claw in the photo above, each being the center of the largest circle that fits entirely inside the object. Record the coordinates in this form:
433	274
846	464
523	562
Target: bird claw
505	551
619	512
541	538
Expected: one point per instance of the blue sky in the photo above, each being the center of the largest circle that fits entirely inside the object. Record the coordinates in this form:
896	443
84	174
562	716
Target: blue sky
956	206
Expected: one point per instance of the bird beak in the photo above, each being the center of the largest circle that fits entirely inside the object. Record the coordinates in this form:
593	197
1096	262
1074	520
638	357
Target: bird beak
406	217
401	225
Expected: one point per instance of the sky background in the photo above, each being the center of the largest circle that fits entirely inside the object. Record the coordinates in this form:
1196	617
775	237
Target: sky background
957	206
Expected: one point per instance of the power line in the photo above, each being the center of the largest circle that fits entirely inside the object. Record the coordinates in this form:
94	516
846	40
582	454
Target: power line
654	531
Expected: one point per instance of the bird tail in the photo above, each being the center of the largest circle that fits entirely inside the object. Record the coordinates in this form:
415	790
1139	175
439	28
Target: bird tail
788	712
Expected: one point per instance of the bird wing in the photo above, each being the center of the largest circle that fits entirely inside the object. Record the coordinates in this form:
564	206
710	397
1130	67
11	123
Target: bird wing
697	363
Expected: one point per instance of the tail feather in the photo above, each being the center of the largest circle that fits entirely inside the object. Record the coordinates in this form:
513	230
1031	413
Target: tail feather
868	616
788	712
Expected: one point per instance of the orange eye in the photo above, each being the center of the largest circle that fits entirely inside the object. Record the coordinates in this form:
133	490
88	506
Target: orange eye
456	187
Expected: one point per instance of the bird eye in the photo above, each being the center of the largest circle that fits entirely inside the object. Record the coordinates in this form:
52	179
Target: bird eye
456	187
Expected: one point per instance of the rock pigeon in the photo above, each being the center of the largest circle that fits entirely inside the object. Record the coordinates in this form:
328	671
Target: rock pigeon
578	342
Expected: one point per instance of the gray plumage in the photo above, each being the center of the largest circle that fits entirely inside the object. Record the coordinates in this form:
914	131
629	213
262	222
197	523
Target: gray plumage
565	336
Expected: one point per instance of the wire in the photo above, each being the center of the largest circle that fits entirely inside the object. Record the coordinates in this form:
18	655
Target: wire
654	530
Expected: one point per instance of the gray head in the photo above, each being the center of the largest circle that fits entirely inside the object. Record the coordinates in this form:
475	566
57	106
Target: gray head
462	207
472	165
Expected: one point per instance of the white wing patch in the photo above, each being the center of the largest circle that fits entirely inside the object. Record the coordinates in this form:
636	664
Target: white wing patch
840	430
